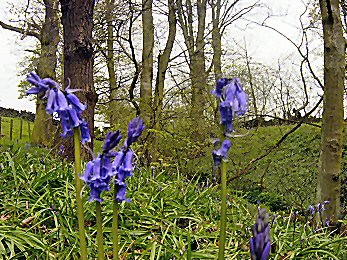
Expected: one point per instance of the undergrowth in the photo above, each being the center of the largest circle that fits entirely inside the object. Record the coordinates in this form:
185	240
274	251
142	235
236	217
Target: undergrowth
171	216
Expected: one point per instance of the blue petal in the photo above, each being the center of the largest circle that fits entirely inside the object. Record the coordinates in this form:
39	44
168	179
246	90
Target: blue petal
118	160
135	129
266	252
61	100
75	102
50	102
112	139
86	177
223	151
128	166
85	132
35	90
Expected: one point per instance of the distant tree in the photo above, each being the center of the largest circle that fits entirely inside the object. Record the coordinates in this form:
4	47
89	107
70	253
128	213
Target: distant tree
110	6
147	62
329	177
163	62
77	20
47	34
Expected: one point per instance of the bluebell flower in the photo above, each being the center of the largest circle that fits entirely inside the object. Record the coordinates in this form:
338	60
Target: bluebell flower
220	154
311	210
122	164
64	103
99	171
112	139
320	206
221	83
233	101
135	129
260	244
85	135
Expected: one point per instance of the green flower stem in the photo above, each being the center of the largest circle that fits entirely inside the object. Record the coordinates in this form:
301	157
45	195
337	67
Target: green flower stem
223	221
80	216
100	239
115	225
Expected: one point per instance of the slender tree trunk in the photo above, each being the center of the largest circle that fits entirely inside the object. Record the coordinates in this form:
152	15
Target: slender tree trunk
250	81
216	39
163	62
77	20
329	182
147	62
110	66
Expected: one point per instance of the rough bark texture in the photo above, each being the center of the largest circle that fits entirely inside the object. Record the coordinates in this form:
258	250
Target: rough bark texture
110	65
163	62
216	39
77	20
147	62
49	39
195	47
329	182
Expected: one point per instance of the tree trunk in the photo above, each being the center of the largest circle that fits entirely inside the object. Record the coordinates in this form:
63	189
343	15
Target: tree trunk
147	62
216	39
49	39
113	111
251	85
329	179
195	47
77	20
163	62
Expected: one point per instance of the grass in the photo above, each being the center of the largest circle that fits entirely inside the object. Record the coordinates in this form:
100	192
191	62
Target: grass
175	213
5	129
170	216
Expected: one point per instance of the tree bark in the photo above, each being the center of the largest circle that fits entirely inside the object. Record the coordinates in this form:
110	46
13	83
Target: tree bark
77	20
110	66
49	38
196	51
147	62
163	62
216	39
329	178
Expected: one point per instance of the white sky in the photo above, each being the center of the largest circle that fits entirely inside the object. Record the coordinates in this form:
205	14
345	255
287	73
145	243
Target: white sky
263	45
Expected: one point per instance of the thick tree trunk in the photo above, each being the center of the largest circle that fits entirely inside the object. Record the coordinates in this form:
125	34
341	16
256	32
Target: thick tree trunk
329	182
147	62
49	39
77	20
196	51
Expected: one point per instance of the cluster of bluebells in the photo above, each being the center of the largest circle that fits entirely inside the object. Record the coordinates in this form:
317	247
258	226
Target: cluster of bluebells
232	101
62	103
260	243
100	170
318	209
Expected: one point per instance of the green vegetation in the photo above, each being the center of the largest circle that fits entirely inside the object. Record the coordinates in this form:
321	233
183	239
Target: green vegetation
5	129
174	213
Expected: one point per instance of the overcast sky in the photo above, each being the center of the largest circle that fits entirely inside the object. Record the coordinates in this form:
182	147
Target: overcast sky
263	45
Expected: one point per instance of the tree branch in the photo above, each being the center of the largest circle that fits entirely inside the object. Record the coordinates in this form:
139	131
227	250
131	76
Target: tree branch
20	30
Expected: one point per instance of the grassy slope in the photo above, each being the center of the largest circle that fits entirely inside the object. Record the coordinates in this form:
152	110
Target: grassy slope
5	129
